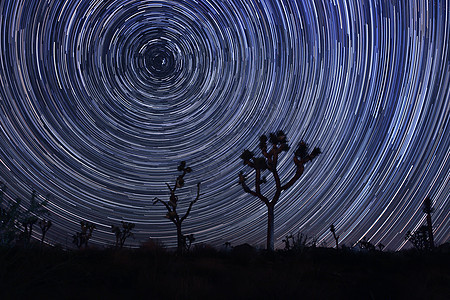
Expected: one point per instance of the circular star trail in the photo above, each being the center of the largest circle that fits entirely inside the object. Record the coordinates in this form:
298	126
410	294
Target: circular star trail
100	101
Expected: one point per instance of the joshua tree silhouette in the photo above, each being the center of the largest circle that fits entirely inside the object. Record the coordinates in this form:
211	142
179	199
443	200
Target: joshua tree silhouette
82	238
336	238
427	208
269	161
122	234
8	219
30	216
171	206
423	238
45	225
13	219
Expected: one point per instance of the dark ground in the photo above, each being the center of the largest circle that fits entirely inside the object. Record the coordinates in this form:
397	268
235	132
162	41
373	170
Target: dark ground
318	273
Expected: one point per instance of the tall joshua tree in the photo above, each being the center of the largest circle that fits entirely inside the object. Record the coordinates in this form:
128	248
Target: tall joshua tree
171	205
427	208
269	161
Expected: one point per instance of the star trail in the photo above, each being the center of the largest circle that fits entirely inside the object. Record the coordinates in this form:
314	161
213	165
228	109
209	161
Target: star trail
101	100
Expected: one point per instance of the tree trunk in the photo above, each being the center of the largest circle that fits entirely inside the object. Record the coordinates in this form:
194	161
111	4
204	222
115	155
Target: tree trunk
430	230
270	227
179	240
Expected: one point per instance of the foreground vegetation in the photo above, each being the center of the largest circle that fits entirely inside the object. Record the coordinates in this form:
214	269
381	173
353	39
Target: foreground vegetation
32	270
241	273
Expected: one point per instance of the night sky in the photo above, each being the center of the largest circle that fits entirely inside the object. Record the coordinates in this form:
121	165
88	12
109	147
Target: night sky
101	100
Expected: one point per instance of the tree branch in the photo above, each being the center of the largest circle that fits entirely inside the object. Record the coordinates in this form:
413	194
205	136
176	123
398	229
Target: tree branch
272	163
249	191
192	203
258	181
277	179
250	164
156	200
264	152
298	172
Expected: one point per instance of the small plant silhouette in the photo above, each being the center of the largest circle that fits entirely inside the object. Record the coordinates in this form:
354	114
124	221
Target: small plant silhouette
45	225
296	243
269	161
336	237
420	238
287	242
122	233
82	238
188	240
227	246
171	207
365	244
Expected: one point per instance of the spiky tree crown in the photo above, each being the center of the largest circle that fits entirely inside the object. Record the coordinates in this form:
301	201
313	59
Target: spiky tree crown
303	149
246	155
427	206
182	166
279	139
316	151
276	139
263	142
260	163
263	139
127	225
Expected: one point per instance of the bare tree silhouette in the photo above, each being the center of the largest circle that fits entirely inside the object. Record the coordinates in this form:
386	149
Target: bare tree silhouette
122	234
171	206
269	161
